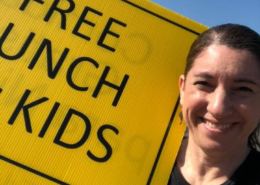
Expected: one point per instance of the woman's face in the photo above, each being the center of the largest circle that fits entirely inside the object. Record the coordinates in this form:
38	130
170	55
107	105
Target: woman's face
220	97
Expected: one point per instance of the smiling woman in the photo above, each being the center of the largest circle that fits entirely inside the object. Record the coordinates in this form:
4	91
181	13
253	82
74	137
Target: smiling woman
220	98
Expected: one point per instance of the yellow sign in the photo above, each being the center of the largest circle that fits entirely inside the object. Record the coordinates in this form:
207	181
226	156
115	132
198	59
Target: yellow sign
89	91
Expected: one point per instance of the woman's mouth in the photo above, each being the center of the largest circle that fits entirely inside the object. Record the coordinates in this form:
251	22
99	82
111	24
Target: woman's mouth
216	126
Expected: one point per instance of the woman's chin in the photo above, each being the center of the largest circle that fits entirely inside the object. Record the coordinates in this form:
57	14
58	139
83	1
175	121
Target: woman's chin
213	143
214	146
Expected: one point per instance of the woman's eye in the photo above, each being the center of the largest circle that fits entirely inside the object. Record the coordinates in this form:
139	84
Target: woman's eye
202	83
244	89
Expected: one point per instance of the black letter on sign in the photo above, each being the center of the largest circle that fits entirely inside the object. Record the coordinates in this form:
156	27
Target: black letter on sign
82	20
62	12
49	119
51	72
107	31
25	110
105	143
64	125
25	3
103	81
72	67
23	49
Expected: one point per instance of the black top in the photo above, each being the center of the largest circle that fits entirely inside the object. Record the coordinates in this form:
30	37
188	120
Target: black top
248	173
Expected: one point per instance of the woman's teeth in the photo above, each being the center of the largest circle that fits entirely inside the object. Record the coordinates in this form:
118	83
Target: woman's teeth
220	127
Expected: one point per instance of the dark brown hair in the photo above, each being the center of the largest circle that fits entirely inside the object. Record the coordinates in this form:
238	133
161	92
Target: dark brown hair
233	36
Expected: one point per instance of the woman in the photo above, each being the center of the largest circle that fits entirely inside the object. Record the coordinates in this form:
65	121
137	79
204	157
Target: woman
220	98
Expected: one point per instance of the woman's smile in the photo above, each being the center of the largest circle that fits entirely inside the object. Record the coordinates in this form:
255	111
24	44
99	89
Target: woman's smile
217	127
220	97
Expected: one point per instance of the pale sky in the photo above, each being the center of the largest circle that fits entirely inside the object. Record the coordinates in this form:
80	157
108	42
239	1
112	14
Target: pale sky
211	13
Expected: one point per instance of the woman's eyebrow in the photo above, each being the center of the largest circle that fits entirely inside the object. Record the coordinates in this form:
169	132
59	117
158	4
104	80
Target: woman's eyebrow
246	80
204	75
238	80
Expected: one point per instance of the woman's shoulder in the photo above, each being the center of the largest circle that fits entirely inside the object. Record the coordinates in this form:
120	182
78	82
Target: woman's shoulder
249	171
254	158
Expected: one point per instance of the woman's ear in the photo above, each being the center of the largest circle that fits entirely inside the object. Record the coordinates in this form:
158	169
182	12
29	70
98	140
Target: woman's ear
182	88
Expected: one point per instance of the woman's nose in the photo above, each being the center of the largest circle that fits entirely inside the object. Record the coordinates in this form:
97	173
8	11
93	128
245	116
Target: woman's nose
220	103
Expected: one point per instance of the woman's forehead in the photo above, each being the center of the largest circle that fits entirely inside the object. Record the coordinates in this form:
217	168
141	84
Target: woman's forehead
223	60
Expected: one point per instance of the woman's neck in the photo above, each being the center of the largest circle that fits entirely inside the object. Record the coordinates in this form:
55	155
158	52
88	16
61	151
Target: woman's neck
200	166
